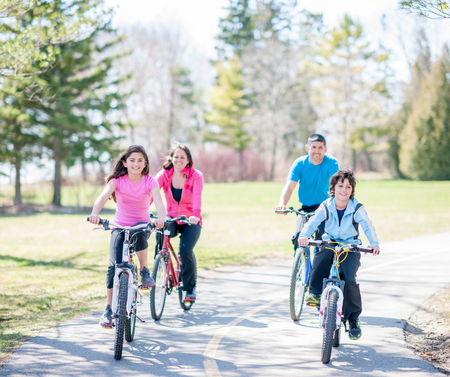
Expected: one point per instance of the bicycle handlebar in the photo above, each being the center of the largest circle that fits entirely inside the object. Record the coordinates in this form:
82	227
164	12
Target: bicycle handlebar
293	210
350	246
142	227
183	219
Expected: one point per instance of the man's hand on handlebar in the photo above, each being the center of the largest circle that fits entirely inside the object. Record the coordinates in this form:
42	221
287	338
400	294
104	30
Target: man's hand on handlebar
303	241
280	208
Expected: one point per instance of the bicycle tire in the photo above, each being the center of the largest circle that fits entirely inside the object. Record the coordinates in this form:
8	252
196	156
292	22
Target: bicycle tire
130	323
159	290
329	326
121	314
186	305
297	288
337	337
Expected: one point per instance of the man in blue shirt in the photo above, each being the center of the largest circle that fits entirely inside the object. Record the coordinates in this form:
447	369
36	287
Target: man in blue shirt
313	173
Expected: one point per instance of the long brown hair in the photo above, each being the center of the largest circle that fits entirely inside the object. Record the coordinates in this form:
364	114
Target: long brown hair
340	176
168	163
120	169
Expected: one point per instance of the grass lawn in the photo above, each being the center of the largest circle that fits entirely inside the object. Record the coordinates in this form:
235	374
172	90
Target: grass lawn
54	265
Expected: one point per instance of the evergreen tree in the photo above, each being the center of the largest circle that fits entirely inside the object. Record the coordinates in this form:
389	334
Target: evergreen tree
81	94
19	136
230	110
32	31
425	140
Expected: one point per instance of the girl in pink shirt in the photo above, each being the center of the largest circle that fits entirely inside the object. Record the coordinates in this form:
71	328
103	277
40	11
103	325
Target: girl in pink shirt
183	186
133	189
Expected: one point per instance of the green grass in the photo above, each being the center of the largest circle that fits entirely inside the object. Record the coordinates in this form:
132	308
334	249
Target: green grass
54	265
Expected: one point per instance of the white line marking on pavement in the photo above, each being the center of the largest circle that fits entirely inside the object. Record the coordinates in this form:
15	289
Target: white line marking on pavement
403	260
211	368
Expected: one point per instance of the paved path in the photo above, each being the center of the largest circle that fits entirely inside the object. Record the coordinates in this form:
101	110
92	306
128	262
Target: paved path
240	326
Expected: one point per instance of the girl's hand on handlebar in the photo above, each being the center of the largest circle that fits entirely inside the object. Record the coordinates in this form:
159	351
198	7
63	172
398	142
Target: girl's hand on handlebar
376	250
194	219
159	222
303	241
94	219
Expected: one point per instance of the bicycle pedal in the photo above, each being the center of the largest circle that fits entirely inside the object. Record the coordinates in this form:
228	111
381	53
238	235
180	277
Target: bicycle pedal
144	288
107	327
311	304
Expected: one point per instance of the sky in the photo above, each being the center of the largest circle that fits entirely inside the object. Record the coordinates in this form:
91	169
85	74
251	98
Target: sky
199	18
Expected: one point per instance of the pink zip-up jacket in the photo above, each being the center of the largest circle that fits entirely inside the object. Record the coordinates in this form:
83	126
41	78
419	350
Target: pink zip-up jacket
191	196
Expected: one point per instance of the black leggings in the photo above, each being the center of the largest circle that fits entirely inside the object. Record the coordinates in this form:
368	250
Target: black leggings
321	269
189	237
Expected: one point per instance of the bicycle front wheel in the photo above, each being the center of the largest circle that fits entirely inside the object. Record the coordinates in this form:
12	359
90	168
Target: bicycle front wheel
329	325
130	323
298	286
186	305
121	315
158	292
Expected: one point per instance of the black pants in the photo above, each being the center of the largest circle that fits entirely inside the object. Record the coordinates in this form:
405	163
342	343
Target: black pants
348	268
189	237
138	237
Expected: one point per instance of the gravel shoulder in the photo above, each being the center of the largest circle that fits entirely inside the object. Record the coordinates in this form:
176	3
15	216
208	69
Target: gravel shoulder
427	332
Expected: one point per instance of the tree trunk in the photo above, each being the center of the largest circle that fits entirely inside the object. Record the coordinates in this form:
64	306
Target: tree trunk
274	157
83	169
18	193
353	159
58	176
241	166
171	115
369	160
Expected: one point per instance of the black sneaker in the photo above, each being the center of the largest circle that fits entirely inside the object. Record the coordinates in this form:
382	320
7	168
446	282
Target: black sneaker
191	297
313	299
146	279
355	329
106	320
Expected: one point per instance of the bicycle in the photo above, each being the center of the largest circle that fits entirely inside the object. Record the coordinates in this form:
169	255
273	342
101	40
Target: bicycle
301	268
166	275
126	292
332	299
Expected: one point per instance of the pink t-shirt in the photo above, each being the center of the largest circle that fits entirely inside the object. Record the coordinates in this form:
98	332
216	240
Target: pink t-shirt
133	199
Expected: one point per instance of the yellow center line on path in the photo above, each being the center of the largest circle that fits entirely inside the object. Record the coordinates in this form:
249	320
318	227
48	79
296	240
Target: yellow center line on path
427	253
211	368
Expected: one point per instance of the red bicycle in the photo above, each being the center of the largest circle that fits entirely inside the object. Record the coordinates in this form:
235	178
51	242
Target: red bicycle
166	272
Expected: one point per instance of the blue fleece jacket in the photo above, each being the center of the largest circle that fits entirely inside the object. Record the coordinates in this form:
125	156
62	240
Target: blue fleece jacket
344	233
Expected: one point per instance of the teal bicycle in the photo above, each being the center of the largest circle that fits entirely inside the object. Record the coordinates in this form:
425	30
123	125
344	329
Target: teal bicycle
332	299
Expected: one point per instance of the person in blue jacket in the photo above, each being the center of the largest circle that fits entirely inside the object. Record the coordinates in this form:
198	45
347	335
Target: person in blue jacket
341	213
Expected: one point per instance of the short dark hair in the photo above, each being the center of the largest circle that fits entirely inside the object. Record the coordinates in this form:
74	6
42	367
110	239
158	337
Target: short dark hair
317	137
340	176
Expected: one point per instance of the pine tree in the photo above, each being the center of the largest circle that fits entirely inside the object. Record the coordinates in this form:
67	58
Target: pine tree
425	140
230	110
19	136
81	94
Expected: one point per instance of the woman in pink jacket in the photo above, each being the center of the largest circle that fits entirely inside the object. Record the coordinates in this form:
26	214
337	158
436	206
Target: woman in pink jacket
183	186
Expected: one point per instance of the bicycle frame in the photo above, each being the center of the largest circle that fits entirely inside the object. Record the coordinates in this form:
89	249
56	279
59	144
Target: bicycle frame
168	252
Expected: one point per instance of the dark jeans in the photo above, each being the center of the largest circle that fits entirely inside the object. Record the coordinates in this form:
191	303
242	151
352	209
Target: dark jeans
140	240
321	269
189	237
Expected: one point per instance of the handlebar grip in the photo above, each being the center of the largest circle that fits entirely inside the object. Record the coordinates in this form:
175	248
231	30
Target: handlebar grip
365	249
102	221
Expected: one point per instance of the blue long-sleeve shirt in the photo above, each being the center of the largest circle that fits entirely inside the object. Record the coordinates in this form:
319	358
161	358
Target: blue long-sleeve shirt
344	232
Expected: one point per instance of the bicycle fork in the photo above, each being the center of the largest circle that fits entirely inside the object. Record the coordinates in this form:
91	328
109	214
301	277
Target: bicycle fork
324	303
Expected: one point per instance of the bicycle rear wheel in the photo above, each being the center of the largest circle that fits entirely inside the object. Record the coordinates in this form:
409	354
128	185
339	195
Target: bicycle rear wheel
298	286
120	315
158	292
186	305
329	326
130	323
